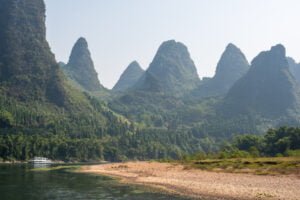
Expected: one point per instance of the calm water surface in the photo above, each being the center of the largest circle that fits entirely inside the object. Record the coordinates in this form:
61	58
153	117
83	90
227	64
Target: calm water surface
19	182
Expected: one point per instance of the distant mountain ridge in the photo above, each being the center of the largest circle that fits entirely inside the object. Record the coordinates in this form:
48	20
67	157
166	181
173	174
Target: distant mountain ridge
268	89
153	117
129	77
80	67
294	68
28	70
171	71
259	96
231	67
35	96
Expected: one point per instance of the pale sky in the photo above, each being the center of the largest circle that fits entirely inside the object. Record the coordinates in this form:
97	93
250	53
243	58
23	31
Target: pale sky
120	31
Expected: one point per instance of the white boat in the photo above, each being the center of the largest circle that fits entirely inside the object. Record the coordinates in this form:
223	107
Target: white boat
41	160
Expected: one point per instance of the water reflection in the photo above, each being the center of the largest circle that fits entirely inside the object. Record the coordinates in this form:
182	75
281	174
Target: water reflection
41	165
19	182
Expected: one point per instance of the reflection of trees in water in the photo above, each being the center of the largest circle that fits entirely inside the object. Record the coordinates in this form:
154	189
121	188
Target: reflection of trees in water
41	165
18	182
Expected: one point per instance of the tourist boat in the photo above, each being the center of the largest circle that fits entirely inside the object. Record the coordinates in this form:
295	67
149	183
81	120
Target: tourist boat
40	160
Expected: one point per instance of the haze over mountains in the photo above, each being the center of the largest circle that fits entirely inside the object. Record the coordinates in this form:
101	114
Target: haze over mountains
163	111
41	110
294	68
129	77
24	73
231	67
267	89
34	92
172	70
80	67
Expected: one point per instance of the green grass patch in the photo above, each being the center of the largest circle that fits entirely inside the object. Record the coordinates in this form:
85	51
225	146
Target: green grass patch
259	166
65	168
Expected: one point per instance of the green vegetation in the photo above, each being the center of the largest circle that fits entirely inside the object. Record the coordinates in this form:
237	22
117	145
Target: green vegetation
274	97
255	102
129	77
80	68
65	168
28	70
141	145
254	154
259	166
172	71
284	141
43	114
231	67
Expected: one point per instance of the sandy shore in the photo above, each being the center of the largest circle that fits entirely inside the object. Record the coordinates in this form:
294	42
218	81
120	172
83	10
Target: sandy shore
198	184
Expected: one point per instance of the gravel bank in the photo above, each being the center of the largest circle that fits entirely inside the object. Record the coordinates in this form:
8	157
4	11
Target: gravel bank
197	183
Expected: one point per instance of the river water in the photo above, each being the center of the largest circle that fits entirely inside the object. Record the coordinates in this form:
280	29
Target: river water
20	182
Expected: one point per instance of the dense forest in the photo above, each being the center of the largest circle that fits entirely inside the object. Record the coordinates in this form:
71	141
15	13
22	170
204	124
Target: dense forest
62	111
143	145
284	141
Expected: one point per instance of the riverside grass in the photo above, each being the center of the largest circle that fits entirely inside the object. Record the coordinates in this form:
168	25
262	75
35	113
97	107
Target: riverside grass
179	179
71	168
258	166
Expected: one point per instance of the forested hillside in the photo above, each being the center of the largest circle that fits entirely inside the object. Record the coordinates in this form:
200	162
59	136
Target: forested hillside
231	67
35	96
129	77
36	100
61	111
172	71
80	68
41	114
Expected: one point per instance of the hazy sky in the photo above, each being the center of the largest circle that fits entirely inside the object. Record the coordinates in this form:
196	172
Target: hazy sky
120	31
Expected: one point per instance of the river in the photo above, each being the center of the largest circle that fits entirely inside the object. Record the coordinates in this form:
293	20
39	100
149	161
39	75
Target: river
20	182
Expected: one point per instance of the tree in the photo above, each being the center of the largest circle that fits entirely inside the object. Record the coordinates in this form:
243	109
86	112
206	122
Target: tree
6	119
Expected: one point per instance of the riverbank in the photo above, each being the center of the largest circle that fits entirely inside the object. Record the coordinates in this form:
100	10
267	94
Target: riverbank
54	162
258	166
178	179
13	162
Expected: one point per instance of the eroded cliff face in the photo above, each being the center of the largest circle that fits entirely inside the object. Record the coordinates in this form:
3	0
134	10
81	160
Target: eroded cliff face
28	70
129	77
268	89
171	71
231	67
80	67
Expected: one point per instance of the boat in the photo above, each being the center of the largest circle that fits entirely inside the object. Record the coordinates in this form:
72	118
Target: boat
40	160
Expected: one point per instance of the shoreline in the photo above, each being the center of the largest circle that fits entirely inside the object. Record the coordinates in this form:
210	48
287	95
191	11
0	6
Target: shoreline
13	162
195	183
54	162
